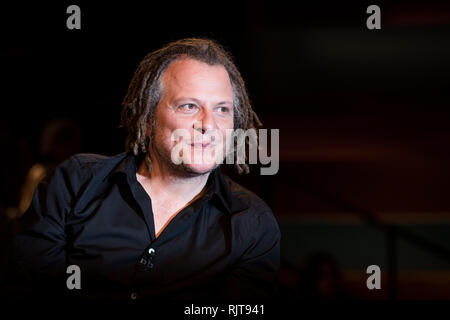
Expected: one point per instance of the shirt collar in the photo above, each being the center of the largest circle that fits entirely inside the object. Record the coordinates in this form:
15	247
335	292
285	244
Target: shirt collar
217	187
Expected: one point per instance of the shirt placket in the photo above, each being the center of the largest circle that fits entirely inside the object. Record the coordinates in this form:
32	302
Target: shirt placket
147	267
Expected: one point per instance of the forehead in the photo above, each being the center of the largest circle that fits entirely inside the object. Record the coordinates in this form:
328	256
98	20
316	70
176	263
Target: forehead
192	75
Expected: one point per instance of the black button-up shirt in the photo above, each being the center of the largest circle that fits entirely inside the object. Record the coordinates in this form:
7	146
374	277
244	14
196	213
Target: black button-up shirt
93	213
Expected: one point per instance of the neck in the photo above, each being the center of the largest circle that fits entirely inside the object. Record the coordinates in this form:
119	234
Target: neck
163	182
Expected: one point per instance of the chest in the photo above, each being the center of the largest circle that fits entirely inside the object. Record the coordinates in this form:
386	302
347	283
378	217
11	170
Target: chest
165	207
111	242
164	212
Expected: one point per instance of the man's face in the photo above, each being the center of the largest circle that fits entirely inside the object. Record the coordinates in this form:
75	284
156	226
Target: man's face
197	98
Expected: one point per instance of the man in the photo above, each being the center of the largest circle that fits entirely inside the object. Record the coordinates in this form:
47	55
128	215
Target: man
140	225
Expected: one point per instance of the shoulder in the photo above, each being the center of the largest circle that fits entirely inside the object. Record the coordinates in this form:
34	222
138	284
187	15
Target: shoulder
254	227
83	166
253	209
80	171
77	180
246	197
91	161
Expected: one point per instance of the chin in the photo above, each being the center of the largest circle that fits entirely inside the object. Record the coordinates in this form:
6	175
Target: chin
196	165
201	168
202	162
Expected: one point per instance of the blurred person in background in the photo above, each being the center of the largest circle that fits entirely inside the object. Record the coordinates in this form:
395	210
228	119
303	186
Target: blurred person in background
60	139
321	278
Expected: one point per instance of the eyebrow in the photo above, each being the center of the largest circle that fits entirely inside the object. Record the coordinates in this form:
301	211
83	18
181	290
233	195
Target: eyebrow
176	101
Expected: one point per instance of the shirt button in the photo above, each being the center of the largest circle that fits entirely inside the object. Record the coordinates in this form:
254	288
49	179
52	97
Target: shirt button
151	251
133	296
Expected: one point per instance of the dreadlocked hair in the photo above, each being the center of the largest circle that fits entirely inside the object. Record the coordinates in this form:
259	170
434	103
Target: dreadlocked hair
144	92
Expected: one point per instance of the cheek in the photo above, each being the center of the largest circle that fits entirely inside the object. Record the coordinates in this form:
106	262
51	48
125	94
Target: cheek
225	123
168	124
226	129
227	134
174	122
227	141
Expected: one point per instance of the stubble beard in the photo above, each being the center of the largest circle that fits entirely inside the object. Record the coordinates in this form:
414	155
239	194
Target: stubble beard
182	170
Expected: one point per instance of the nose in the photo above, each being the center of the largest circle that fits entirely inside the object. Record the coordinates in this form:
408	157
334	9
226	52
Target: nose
206	122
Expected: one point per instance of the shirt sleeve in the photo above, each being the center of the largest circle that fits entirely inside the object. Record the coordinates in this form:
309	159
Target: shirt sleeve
255	275
39	247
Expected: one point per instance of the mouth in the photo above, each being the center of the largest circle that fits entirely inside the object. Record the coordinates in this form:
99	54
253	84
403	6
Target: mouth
201	145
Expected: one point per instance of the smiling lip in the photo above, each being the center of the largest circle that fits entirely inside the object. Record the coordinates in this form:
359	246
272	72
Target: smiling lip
201	145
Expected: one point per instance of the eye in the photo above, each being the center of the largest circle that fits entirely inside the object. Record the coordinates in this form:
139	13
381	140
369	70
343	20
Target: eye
223	109
187	108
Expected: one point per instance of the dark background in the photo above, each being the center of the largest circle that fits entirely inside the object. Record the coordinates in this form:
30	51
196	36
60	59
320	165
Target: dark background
363	118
